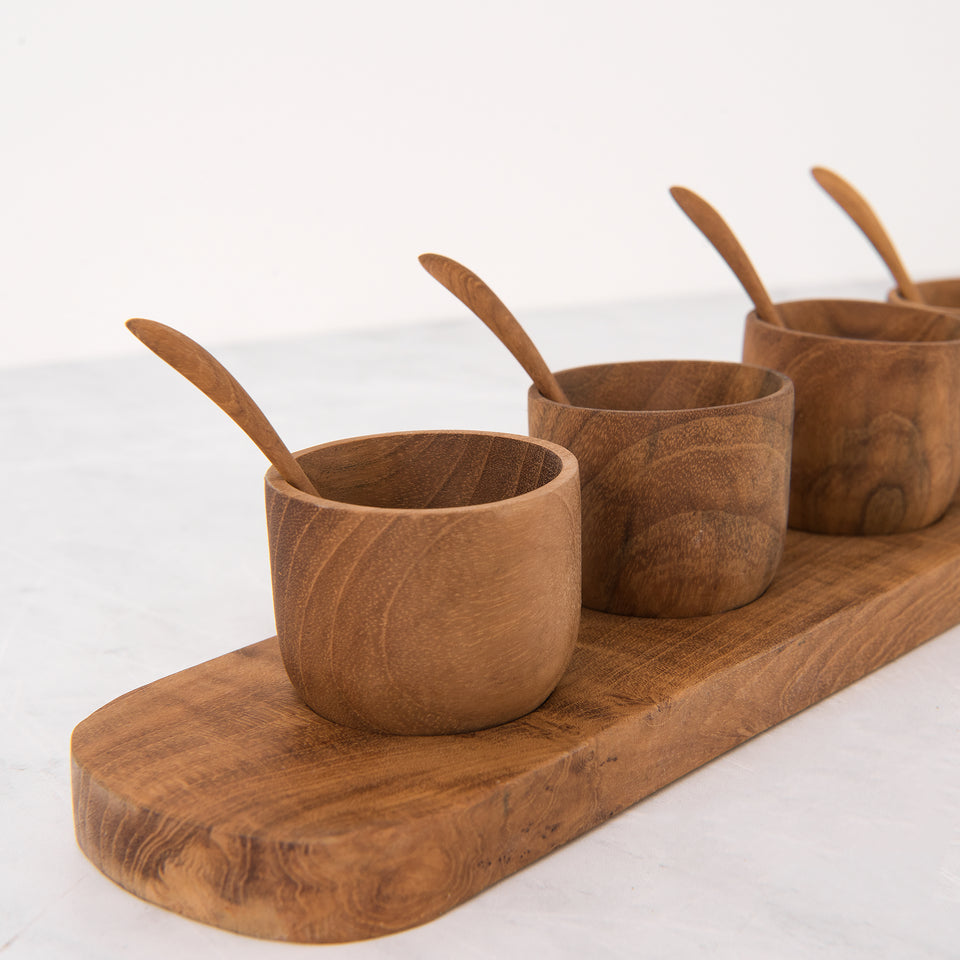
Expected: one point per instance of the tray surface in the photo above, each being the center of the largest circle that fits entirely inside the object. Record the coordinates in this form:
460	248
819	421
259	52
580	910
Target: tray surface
217	794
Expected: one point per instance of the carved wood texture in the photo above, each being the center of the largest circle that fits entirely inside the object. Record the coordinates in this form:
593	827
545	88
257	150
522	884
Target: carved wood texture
684	469
876	443
434	586
217	794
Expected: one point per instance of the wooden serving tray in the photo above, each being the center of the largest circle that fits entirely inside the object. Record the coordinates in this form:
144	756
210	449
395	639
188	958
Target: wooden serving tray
215	793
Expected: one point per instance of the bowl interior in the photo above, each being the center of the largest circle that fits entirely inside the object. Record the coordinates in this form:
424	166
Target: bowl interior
866	320
940	293
666	385
419	471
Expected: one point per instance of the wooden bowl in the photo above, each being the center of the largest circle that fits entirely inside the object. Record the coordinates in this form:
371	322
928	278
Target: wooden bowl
684	468
939	295
434	587
876	445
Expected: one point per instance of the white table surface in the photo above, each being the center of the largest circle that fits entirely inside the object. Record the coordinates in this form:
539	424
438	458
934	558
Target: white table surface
134	546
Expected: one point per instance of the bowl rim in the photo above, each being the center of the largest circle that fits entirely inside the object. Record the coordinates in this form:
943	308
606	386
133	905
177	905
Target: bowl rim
907	305
896	298
569	472
786	387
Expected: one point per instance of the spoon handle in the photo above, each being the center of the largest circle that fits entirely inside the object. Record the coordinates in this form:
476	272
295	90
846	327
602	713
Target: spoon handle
863	215
206	373
725	242
470	290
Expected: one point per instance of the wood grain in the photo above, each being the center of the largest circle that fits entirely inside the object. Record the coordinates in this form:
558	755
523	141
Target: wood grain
433	586
217	794
684	470
876	444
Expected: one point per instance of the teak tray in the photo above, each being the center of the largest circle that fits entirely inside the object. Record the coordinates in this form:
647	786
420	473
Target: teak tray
215	793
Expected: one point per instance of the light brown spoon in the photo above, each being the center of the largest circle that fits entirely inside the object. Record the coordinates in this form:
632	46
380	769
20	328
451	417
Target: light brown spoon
715	229
470	290
862	214
212	378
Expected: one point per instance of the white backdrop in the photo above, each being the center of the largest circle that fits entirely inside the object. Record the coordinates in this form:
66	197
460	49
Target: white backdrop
252	169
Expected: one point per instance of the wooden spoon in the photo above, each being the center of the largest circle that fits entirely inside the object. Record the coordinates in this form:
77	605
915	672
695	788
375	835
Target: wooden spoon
864	217
212	378
469	289
715	229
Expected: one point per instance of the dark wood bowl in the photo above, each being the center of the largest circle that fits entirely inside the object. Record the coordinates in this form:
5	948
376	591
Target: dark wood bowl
876	443
685	468
434	586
